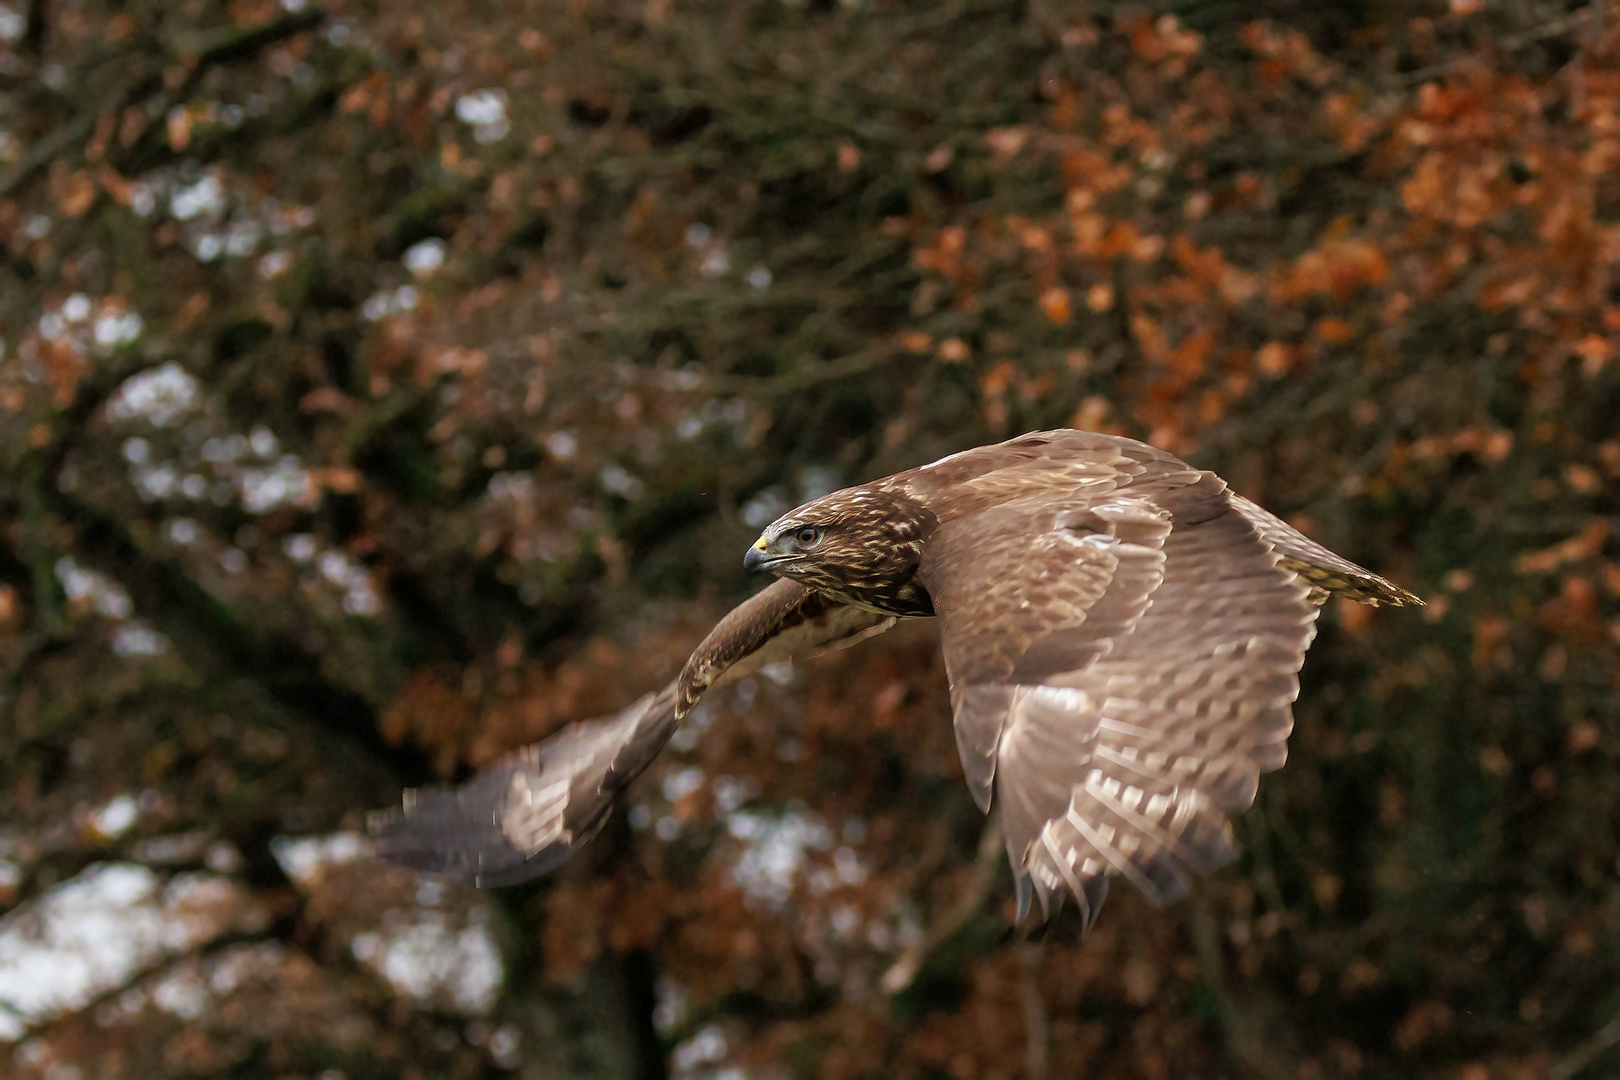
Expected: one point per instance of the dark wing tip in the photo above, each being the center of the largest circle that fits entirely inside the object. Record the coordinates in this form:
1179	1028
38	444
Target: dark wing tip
1362	586
1375	591
1325	571
456	832
430	843
528	813
1399	597
1091	893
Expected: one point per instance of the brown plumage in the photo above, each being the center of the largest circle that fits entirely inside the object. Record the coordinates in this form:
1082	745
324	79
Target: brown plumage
1122	633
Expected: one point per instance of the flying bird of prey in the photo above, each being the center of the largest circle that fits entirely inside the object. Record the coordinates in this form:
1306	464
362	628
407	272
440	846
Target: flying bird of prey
1122	633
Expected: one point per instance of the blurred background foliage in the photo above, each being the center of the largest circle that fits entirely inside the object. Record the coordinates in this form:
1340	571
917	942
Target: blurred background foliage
385	385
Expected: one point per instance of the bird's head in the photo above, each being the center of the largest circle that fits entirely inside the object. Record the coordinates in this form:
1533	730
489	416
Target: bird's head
860	545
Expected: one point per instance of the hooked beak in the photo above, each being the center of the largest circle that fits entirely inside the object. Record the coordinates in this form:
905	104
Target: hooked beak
756	559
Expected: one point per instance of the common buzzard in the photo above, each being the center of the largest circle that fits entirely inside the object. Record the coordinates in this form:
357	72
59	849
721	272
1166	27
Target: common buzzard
1123	636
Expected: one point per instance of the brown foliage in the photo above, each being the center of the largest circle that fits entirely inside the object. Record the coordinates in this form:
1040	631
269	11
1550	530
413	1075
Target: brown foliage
385	386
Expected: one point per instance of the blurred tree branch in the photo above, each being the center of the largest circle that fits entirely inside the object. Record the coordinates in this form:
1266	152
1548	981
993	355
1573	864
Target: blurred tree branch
945	946
1244	1041
1037	1028
1582	21
215	640
1576	1061
220	48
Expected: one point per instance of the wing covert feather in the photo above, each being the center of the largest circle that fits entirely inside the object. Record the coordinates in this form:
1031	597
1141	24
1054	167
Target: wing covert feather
1028	590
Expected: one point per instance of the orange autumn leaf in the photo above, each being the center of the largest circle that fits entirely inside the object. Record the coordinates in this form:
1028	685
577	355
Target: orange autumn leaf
916	342
1055	305
78	191
1334	331
1274	360
1189	357
178	126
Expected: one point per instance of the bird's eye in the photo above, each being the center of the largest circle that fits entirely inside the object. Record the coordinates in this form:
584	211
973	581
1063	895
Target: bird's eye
807	535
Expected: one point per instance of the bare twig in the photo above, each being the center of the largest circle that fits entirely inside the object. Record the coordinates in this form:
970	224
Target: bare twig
1238	1029
213	637
806	375
1593	33
244	44
1037	1032
33	40
803	376
231	46
46	150
1574	21
985	865
223	642
1589	1051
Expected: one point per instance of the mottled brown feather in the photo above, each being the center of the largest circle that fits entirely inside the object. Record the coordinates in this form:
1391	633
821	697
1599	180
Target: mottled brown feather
1123	637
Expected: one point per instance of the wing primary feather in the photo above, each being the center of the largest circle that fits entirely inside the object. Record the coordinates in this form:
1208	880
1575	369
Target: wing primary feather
1024	892
1122	865
1061	861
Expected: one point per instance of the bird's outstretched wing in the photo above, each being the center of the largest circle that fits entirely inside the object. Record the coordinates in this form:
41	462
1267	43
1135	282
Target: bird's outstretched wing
1122	670
529	812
